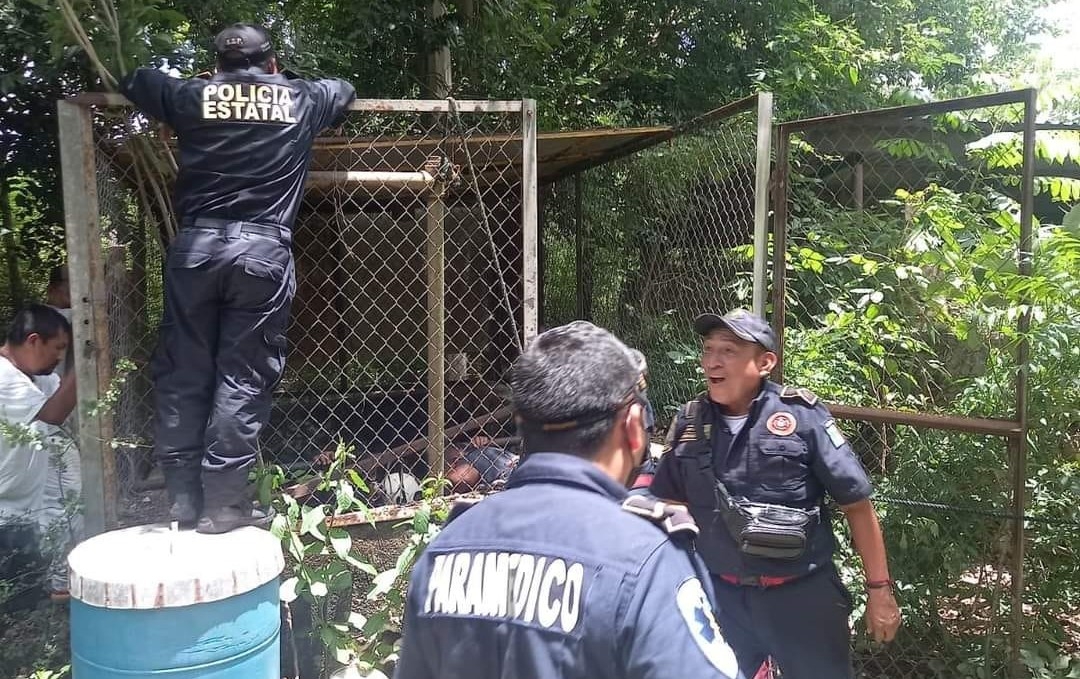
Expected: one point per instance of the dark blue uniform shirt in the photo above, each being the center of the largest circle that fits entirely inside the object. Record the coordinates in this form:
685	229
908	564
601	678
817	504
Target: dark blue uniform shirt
245	138
551	578
788	452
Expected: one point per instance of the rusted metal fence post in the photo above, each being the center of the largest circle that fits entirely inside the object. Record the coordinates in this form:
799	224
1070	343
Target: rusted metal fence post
1018	446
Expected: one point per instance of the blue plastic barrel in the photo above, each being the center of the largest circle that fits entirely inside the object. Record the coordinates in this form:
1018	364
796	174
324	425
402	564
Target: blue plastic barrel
152	603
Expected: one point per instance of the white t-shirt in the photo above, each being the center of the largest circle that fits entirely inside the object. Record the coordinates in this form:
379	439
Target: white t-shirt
23	463
735	424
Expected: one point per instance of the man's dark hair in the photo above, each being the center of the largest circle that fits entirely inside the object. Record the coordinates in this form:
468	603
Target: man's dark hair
37	319
568	387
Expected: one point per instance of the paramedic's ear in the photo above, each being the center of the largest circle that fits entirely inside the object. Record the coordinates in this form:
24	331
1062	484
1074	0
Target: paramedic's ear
766	361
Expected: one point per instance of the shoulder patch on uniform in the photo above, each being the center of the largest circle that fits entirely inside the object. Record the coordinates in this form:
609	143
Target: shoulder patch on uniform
835	435
674	519
460	505
698	615
802	394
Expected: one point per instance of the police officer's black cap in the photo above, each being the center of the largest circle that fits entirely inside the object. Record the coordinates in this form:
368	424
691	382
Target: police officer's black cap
241	42
743	324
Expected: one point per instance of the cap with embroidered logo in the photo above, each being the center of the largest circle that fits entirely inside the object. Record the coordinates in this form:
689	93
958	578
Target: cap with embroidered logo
743	324
241	42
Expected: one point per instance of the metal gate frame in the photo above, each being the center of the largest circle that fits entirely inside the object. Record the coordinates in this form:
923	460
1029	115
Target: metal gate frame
1015	429
89	292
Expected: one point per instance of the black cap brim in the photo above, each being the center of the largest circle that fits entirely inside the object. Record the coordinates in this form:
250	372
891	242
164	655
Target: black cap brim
706	323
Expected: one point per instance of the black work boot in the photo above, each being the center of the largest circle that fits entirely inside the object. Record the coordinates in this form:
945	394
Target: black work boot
185	495
224	519
228	505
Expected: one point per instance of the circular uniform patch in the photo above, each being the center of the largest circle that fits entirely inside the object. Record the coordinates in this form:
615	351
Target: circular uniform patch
698	615
781	424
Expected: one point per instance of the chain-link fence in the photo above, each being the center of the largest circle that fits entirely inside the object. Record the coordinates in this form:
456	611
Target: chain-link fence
414	289
900	264
642	244
948	527
900	277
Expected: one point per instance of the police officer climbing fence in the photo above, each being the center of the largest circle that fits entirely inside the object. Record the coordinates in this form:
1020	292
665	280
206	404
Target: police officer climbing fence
562	574
245	138
754	460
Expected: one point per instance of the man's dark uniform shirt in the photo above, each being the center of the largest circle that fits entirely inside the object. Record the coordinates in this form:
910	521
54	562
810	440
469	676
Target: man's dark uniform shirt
794	469
788	452
245	140
552	578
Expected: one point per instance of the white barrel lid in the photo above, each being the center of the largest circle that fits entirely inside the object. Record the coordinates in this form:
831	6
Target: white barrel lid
155	566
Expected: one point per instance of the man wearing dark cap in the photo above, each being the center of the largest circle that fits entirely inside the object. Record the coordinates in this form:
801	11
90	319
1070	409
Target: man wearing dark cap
754	461
245	137
562	574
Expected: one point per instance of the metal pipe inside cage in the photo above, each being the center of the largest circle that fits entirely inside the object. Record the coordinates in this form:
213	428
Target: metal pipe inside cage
415	181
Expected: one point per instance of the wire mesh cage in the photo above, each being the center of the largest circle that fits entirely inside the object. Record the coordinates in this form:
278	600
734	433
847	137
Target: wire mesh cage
643	244
412	275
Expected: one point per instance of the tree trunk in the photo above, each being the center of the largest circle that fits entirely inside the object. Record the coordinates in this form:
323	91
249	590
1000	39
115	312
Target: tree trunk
439	80
11	245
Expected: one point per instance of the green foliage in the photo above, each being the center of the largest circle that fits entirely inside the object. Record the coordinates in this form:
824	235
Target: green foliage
325	565
916	303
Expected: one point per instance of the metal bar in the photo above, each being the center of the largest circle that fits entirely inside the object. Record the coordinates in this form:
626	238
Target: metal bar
859	189
416	181
435	270
963	103
779	272
529	297
972	425
89	314
543	198
580	245
381	105
636	145
761	200
1023	326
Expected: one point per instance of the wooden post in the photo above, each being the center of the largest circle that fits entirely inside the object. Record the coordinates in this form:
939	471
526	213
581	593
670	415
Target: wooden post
435	275
529	269
93	366
583	254
439	82
761	200
779	268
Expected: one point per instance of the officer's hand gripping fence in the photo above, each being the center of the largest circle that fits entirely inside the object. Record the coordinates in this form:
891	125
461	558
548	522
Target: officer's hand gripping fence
414	294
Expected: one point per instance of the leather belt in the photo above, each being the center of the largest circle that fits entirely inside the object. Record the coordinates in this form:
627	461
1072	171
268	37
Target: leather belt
238	226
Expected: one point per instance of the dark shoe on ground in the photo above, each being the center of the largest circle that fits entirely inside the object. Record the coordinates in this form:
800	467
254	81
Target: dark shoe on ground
224	519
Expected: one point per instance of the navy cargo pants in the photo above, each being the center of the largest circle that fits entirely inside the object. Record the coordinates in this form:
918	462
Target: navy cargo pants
802	624
221	352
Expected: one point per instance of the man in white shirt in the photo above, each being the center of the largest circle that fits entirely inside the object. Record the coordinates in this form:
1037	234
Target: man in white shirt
34	402
60	525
